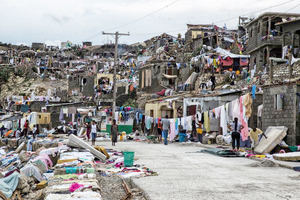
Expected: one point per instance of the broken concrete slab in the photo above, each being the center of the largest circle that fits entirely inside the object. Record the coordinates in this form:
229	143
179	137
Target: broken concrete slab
275	135
79	142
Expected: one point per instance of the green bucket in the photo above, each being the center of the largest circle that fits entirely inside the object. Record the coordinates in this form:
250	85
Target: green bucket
128	158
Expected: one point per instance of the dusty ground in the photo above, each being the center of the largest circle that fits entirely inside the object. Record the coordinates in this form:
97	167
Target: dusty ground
187	175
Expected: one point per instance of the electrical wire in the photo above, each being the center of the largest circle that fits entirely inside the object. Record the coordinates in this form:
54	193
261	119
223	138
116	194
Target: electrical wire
261	10
138	19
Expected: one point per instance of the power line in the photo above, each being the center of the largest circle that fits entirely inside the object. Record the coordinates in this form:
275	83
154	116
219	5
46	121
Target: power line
277	5
138	19
264	9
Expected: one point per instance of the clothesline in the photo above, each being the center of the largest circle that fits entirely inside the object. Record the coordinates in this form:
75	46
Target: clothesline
239	108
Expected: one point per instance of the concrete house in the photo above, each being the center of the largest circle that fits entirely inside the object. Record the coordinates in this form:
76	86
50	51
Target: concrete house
81	83
265	38
158	75
291	37
38	46
281	107
200	34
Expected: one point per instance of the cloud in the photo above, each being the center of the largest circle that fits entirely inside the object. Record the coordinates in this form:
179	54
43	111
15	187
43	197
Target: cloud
78	20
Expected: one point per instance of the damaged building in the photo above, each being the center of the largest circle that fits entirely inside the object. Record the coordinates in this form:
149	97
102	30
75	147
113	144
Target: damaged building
265	38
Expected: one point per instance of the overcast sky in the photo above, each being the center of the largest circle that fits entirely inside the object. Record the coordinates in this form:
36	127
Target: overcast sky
53	21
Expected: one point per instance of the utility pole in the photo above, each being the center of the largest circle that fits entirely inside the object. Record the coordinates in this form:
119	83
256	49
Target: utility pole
116	64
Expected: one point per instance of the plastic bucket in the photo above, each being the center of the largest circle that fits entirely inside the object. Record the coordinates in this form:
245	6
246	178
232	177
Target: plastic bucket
128	158
182	137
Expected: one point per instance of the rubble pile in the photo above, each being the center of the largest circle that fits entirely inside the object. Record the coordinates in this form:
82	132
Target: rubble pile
49	169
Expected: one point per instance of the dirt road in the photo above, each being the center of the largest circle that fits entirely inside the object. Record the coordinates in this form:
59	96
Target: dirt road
186	175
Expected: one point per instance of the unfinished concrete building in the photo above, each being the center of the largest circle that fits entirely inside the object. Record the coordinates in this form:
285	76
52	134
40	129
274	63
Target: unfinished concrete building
281	108
81	84
290	37
198	35
265	38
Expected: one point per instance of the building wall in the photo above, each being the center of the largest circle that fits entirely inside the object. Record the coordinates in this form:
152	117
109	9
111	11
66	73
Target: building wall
256	102
77	83
286	116
157	109
297	110
87	88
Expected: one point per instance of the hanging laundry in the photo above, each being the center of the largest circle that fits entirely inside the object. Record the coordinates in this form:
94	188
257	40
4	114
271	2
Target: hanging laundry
72	110
253	91
218	112
61	115
259	110
149	121
176	127
223	120
206	122
236	109
247	102
244	122
188	123
172	129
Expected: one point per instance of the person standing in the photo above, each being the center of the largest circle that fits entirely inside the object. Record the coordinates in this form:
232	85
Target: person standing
159	126
94	132
194	128
166	128
88	130
114	133
2	130
213	81
199	132
254	135
235	129
34	131
25	128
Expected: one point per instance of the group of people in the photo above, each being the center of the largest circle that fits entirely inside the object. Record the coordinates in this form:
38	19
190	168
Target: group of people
235	127
197	132
92	129
24	132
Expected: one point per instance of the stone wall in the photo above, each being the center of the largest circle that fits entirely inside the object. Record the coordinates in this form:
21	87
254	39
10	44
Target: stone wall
285	117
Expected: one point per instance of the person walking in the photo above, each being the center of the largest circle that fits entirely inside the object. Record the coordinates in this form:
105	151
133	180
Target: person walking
94	132
235	129
166	128
114	133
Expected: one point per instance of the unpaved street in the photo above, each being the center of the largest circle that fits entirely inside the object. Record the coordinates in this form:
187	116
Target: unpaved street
186	175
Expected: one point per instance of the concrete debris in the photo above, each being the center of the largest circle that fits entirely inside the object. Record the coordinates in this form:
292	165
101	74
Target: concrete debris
264	163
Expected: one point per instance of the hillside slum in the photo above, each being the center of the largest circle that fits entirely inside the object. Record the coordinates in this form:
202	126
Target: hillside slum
200	83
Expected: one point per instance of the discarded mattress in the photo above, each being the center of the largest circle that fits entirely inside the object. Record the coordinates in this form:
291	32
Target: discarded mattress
221	152
292	156
88	195
275	135
77	141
